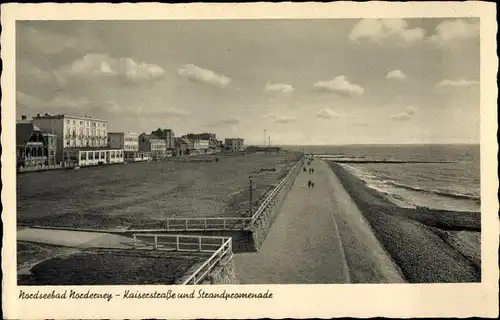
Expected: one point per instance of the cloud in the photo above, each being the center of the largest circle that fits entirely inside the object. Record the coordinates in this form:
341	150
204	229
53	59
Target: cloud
452	30
396	74
58	102
327	113
447	83
52	43
279	87
176	113
409	113
281	119
195	73
233	120
103	65
339	85
379	30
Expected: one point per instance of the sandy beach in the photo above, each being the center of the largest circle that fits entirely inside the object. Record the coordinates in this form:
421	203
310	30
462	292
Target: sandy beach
141	195
427	245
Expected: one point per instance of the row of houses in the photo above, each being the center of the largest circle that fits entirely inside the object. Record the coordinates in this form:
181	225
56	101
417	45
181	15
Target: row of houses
61	140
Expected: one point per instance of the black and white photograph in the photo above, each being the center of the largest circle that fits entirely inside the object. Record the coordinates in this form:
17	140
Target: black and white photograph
248	152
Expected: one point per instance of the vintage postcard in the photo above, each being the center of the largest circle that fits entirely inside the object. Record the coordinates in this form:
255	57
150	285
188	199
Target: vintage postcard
259	160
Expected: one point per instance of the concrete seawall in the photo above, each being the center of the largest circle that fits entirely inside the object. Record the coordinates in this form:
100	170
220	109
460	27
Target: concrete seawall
262	225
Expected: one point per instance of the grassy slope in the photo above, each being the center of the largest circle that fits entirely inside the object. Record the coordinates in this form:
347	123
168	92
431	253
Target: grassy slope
107	267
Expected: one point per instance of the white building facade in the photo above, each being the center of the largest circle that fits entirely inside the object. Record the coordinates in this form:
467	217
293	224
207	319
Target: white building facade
74	132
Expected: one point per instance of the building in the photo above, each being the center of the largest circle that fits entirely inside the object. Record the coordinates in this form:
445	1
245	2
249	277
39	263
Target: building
168	135
34	148
169	138
234	144
201	136
128	141
155	146
180	147
200	146
190	145
88	157
74	132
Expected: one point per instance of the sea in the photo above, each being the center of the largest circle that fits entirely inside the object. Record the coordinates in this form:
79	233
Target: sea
453	184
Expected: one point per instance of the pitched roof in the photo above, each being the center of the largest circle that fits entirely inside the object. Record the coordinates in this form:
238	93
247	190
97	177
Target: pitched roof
24	130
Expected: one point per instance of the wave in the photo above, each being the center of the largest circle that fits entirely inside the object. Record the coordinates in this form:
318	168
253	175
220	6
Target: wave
389	187
446	193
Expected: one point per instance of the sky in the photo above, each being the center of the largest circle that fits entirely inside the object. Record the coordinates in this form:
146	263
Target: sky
326	81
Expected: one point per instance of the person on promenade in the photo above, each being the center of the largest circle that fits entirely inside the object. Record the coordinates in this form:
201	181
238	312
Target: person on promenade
312	184
309	183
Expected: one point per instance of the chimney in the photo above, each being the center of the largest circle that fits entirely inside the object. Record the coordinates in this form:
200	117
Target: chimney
38	115
23	117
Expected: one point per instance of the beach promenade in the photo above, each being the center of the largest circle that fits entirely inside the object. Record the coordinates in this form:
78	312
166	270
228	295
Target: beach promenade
319	236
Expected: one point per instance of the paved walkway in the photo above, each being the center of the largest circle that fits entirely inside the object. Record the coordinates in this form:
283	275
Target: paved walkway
75	239
319	236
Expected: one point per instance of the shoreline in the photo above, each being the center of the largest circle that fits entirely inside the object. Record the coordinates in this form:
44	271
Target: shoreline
428	245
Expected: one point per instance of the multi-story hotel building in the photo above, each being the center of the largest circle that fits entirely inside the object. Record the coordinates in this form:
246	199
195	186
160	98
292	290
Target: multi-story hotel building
73	131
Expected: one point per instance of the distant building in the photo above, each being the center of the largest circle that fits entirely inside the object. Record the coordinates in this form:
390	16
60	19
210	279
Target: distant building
181	147
201	136
73	132
34	147
128	141
200	146
234	144
168	135
154	145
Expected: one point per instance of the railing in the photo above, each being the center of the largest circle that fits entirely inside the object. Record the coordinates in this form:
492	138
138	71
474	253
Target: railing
230	223
220	247
272	196
206	224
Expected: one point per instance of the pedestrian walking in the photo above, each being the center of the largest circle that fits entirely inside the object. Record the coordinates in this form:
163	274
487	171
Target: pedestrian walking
312	184
309	183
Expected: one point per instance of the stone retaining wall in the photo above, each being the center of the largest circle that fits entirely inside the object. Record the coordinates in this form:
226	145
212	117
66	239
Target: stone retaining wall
261	226
223	273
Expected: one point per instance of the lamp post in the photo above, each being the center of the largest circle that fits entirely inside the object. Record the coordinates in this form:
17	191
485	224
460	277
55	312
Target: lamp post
250	194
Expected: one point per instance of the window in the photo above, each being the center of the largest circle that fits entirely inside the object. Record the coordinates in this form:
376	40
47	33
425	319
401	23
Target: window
112	154
91	156
83	156
96	155
102	155
81	123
